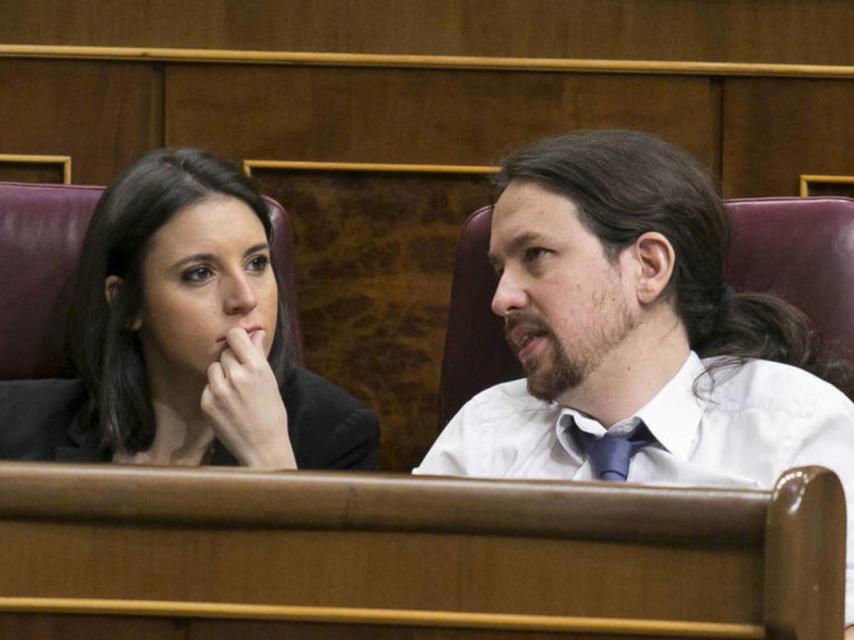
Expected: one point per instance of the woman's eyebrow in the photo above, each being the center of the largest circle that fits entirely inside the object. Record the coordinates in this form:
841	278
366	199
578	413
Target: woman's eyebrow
209	257
196	257
261	246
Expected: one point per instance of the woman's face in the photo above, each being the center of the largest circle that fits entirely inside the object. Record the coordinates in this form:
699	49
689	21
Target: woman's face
207	270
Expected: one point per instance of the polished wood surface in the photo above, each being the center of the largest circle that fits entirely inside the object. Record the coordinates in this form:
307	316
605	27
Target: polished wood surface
375	502
775	131
410	61
812	185
420	115
343	553
18	626
797	563
816	32
103	116
35	168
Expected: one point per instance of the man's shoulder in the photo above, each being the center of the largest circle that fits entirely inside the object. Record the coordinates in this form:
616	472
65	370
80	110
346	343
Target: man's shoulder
774	386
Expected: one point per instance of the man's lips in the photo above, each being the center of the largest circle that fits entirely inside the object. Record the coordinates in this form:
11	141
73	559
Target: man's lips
524	337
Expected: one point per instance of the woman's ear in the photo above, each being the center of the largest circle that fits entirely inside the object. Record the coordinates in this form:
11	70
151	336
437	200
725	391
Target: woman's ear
111	287
656	259
112	284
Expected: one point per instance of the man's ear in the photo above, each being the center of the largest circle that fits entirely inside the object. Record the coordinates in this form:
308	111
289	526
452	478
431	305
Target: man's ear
656	261
112	284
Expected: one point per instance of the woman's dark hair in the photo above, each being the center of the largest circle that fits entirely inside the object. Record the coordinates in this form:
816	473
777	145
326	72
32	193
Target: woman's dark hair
104	351
625	184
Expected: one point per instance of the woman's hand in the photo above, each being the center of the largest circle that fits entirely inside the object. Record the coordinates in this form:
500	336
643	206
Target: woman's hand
244	406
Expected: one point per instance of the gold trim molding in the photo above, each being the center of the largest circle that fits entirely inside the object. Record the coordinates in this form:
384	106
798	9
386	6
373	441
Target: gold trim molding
250	165
403	617
809	179
373	60
64	161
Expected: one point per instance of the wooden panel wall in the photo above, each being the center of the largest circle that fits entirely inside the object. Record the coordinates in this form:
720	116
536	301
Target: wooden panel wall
786	31
778	129
380	334
102	114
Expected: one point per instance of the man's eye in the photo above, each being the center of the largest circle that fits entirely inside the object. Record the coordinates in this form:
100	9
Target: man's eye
258	263
196	274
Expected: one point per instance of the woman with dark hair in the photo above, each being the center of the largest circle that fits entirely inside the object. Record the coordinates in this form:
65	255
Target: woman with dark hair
179	337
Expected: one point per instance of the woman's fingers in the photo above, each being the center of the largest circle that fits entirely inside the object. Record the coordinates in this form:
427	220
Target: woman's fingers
246	349
229	364
243	402
257	339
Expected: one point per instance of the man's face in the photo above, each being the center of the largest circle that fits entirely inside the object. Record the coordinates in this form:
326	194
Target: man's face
565	304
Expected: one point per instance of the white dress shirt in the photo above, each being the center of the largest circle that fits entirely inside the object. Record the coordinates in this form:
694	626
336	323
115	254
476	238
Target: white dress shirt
745	426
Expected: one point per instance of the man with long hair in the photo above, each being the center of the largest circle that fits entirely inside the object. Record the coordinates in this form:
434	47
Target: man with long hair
640	363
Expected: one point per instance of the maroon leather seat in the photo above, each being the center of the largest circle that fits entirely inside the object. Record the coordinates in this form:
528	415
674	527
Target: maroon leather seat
801	249
41	235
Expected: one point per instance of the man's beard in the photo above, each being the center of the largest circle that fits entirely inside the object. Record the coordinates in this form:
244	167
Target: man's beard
567	370
547	383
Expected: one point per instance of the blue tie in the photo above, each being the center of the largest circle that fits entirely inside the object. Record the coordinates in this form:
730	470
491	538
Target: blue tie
611	455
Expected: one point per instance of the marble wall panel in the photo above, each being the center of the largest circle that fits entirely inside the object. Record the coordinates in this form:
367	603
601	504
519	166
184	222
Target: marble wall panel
374	252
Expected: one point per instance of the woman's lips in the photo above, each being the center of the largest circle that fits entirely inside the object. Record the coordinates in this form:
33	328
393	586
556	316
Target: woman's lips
250	332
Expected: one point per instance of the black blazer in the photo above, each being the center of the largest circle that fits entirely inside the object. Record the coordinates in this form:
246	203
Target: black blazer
329	429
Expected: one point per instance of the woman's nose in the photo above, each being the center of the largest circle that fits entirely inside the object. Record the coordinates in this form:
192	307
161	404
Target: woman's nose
509	295
240	296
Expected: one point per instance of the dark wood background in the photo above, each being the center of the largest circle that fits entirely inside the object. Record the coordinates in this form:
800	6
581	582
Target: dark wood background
374	249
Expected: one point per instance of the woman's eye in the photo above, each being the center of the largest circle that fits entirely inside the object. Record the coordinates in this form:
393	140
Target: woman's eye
533	253
196	274
258	263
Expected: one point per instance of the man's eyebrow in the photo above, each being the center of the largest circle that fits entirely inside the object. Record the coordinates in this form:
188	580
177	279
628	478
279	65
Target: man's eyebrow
521	241
516	245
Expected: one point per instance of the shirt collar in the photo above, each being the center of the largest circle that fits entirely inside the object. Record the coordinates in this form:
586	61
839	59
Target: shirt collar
672	416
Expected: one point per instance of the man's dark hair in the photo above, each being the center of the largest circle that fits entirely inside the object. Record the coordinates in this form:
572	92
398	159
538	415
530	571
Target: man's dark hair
104	351
625	184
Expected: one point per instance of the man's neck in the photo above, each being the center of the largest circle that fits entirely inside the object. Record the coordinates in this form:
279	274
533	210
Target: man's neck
631	374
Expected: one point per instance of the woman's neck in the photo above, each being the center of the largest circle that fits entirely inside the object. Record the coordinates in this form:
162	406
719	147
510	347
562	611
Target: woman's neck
182	435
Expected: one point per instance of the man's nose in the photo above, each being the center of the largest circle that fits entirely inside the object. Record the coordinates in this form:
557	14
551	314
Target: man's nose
240	296
509	295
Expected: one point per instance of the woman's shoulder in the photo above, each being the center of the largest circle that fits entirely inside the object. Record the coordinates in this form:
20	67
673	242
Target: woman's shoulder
35	416
329	428
46	395
305	390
